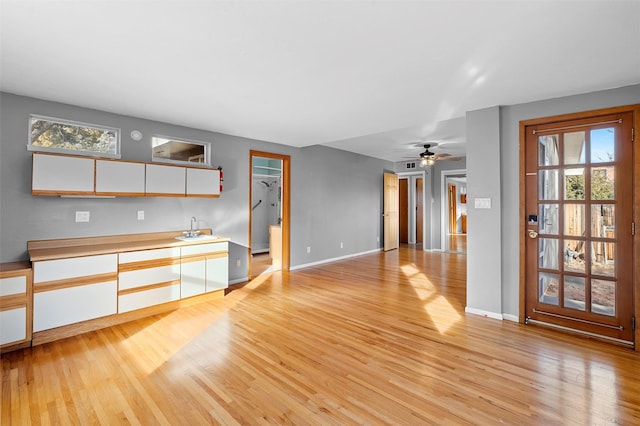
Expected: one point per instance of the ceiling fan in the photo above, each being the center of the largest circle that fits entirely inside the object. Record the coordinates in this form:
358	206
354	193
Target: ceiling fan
428	158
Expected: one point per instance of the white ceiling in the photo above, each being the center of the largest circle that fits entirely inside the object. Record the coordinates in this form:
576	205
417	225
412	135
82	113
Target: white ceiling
373	77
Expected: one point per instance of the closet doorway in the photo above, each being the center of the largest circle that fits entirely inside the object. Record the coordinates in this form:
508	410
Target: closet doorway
269	212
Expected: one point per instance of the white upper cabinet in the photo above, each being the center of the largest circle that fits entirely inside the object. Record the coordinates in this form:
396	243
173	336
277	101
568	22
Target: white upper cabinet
165	180
62	175
121	178
203	182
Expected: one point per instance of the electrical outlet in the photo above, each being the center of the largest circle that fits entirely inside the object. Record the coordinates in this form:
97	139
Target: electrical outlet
341	244
140	214
308	249
237	262
377	239
82	216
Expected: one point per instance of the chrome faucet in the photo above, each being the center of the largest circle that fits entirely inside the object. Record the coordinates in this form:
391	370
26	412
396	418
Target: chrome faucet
193	232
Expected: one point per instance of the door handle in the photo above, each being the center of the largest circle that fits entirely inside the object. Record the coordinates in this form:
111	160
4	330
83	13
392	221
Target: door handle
533	234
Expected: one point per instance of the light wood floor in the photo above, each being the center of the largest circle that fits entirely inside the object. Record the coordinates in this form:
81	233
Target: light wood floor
379	339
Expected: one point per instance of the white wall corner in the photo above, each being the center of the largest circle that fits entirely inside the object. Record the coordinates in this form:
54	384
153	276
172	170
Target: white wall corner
509	317
483	313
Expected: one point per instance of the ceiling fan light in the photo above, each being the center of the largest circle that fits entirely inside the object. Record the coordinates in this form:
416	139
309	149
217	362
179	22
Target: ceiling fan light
430	161
424	162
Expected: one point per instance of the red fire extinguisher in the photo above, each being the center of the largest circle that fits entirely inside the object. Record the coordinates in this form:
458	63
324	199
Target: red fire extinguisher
221	177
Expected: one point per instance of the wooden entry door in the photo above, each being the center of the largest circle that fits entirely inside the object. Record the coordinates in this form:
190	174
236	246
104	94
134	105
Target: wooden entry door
390	222
578	224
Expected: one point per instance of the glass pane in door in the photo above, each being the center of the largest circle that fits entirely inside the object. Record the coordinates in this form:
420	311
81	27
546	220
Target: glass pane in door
603	221
603	258
574	184
602	145
574	147
548	220
603	297
548	185
574	293
548	288
548	252
574	256
602	183
548	150
574	219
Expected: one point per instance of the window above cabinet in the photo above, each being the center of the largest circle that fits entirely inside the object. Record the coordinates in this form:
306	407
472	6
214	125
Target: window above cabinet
180	151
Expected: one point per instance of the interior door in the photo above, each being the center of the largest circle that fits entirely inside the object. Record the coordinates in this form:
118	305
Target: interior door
579	224
419	210
453	213
403	210
390	222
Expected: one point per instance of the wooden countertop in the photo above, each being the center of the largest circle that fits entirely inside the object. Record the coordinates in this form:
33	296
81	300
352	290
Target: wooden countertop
20	266
89	246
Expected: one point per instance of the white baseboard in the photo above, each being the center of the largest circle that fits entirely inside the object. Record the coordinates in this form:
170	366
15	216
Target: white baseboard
333	259
510	317
483	313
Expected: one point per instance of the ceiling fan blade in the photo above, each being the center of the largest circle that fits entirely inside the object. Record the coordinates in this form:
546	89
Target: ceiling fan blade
449	158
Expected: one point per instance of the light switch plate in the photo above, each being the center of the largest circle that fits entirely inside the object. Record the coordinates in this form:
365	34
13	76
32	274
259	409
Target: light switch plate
140	214
482	203
82	216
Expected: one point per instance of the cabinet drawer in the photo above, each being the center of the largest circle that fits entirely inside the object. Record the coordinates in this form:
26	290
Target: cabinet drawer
61	269
13	325
143	299
74	304
148	276
13	285
141	256
205	248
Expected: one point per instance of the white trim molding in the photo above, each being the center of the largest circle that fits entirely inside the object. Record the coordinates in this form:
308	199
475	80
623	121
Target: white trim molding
333	259
483	313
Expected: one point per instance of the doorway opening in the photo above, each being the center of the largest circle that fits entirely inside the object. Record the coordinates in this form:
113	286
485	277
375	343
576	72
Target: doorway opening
453	230
268	212
411	214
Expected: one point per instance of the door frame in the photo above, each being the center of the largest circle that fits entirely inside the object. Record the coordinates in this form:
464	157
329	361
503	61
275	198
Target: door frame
426	227
286	206
444	203
635	110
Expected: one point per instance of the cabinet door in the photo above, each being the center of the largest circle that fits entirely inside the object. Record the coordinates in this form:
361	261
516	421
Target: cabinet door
165	180
62	175
13	325
217	272
122	178
203	182
55	308
193	273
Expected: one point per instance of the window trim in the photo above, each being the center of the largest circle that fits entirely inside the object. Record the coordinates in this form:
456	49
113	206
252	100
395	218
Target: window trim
207	152
83	153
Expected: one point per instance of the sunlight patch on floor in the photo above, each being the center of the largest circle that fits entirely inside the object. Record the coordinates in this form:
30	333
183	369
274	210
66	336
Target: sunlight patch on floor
441	312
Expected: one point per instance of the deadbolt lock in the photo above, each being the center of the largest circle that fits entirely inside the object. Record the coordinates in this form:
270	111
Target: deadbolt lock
533	234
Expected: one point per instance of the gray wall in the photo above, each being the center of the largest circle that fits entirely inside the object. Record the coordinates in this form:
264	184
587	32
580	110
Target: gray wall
484	225
335	195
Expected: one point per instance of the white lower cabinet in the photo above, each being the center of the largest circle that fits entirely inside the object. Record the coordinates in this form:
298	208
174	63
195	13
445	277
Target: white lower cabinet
72	290
205	268
15	304
192	277
147	278
217	272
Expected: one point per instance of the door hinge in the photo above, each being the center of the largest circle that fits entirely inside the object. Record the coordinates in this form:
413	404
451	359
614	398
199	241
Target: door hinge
633	134
633	323
633	229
